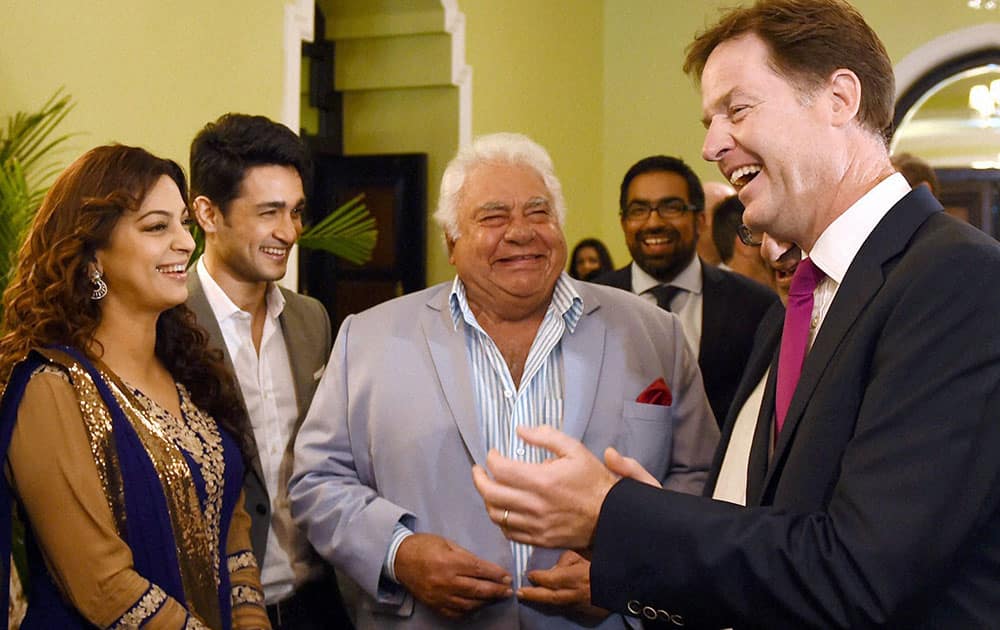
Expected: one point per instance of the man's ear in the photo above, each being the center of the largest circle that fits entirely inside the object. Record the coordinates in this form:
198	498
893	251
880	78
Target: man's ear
700	223
845	94
450	242
206	213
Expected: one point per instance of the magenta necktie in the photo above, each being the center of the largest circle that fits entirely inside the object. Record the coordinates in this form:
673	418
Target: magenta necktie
795	336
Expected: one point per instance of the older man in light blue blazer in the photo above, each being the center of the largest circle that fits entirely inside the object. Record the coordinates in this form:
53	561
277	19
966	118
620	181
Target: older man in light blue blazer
419	389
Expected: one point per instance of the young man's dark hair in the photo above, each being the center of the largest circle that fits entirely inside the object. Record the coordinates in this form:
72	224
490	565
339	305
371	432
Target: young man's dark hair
725	226
664	164
223	150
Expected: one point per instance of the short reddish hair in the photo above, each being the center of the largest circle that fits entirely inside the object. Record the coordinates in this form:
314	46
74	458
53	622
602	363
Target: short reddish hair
809	40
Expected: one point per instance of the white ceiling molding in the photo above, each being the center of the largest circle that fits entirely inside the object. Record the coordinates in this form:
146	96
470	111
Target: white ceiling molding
943	49
298	27
461	72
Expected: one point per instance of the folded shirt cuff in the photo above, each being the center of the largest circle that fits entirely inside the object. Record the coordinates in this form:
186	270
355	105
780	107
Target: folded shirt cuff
399	533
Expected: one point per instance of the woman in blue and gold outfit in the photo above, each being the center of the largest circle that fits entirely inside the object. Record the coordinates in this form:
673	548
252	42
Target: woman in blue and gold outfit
123	436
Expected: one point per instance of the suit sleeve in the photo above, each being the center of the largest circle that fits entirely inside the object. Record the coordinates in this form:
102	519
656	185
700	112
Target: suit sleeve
332	498
695	433
916	487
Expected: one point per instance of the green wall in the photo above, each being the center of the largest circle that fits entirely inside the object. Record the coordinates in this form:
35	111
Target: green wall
538	69
603	114
145	73
597	82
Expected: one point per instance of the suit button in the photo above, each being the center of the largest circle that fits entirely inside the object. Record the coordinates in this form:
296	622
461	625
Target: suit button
649	612
261	509
634	607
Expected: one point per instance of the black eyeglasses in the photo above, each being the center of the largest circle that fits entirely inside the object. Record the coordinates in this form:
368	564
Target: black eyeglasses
749	237
673	207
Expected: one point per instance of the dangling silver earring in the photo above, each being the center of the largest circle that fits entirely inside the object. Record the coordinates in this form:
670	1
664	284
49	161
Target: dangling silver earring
100	286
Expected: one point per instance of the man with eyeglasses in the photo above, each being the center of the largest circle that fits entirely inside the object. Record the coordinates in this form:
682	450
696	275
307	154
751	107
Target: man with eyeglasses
662	206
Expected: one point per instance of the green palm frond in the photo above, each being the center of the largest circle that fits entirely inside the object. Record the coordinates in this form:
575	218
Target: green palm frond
28	139
16	211
199	243
26	167
348	231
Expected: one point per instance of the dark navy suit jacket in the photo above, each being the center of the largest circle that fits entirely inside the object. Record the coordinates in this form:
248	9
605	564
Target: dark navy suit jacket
880	506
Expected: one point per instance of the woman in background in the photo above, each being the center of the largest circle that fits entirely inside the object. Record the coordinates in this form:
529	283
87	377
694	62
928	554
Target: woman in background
122	433
590	259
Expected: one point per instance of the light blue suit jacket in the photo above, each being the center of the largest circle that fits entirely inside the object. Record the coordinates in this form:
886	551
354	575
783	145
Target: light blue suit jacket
393	431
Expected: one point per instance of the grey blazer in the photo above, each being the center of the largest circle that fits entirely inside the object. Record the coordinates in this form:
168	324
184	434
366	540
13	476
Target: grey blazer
393	431
306	328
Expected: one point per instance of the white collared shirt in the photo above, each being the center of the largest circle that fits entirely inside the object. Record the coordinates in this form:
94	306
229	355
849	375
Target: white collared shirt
686	305
840	242
265	379
833	253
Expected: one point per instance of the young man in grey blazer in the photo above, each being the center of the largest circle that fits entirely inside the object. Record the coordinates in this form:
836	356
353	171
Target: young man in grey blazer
247	194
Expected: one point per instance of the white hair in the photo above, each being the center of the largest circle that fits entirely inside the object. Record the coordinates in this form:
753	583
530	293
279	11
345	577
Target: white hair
505	148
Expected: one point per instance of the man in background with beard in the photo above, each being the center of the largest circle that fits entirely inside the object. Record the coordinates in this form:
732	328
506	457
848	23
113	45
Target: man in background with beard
662	205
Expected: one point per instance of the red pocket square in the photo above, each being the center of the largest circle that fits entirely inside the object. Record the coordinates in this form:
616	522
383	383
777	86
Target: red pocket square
656	394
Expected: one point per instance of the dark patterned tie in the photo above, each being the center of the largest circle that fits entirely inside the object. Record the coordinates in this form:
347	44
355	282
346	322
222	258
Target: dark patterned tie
664	293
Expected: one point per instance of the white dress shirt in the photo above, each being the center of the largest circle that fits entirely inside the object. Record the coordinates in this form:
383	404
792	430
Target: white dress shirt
833	253
686	305
265	379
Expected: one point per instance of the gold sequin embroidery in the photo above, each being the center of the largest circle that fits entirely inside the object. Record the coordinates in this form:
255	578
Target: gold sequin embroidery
98	424
193	623
142	610
196	528
247	595
241	560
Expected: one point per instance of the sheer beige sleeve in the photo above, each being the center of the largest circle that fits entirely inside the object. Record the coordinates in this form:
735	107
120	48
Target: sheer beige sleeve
244	577
55	476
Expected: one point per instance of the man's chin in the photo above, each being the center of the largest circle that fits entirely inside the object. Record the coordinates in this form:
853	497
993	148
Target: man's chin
269	275
662	270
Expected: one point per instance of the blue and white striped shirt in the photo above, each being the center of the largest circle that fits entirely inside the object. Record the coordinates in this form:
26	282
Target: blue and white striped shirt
538	400
501	405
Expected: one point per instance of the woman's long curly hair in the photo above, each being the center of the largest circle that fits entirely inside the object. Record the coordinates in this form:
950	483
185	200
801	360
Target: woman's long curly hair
48	299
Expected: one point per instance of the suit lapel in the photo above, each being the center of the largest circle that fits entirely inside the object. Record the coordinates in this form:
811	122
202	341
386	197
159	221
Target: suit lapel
199	305
765	346
291	320
760	448
862	281
619	278
583	354
714	308
451	363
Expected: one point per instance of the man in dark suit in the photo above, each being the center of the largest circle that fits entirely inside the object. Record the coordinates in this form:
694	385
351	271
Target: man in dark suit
874	488
247	196
662	212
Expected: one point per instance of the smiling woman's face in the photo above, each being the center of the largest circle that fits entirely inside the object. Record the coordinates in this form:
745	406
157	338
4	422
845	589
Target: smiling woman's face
147	253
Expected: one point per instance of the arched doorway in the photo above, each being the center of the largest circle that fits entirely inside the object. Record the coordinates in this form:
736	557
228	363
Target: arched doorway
935	121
